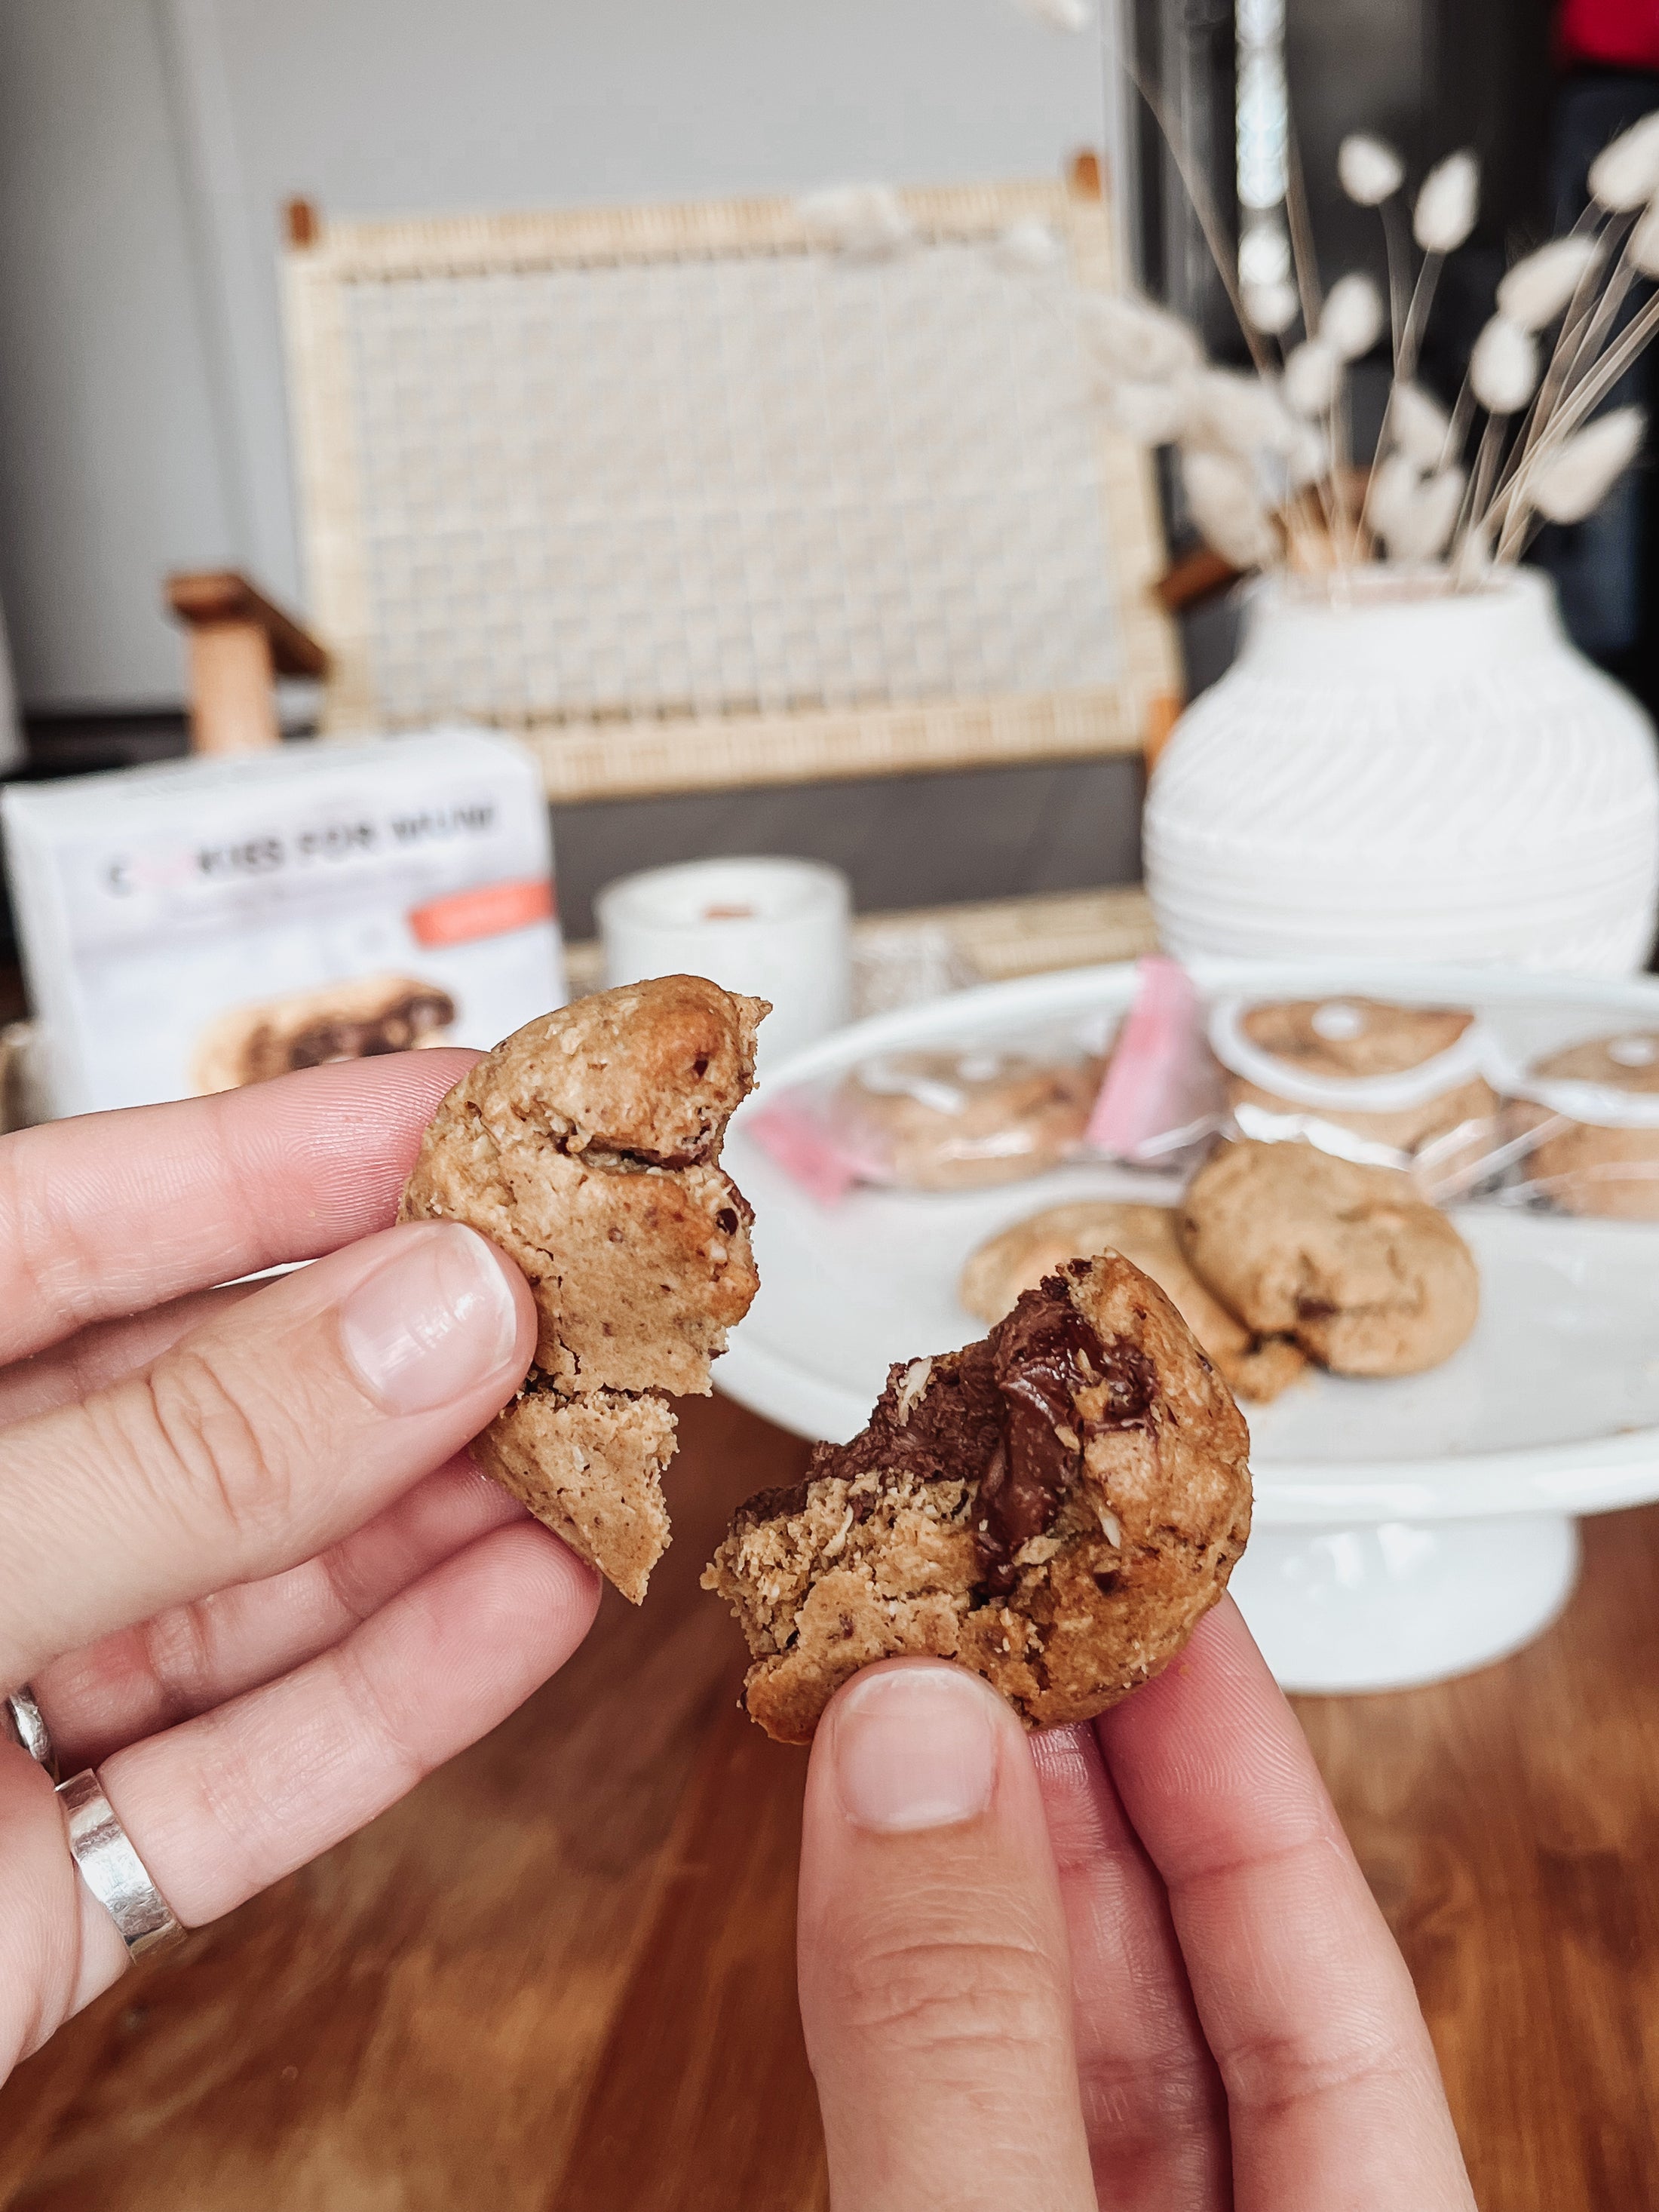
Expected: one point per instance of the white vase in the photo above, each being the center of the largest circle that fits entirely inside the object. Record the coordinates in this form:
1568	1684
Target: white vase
1405	773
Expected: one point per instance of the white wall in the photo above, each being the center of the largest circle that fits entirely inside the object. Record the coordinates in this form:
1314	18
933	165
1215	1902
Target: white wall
146	145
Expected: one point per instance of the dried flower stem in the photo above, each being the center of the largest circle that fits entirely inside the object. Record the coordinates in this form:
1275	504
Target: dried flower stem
1506	510
1209	222
1463	418
1474	512
1331	490
1579	324
1304	252
1393	243
1417	315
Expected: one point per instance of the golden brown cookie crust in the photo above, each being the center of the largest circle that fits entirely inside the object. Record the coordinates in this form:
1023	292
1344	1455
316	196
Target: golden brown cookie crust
1018	1257
1347	1260
586	1147
890	1545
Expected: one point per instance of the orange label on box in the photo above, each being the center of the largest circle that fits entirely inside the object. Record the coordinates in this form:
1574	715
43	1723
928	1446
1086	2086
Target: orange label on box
488	910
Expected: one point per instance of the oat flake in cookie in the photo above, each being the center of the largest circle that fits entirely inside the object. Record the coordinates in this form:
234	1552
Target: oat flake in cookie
586	1146
1055	1506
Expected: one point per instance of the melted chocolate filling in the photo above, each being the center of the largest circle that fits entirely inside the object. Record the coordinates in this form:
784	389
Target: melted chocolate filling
1044	1354
990	1414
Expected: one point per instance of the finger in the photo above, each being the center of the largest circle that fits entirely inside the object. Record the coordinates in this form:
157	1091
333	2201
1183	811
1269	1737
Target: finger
257	1440
109	1214
193	1657
934	1985
1152	2100
224	1804
1333	2093
94	1358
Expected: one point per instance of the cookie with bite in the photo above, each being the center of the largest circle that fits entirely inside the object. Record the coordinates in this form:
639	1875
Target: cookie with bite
587	1147
1055	1506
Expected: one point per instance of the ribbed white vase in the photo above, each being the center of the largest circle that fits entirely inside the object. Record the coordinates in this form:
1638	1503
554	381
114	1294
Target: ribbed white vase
1405	773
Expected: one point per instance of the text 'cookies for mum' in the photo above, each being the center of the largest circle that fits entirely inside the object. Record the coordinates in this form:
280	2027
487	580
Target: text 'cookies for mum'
586	1147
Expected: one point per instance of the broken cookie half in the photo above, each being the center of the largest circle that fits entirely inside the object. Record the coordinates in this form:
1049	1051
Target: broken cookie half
586	1147
1055	1506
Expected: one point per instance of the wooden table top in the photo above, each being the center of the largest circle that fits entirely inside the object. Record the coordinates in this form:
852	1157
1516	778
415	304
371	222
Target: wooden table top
560	1975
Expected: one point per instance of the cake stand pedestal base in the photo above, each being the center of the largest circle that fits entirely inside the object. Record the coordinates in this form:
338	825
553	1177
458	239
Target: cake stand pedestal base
1393	1604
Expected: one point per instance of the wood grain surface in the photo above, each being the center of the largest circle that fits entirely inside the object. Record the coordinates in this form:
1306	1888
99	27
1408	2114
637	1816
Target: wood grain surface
559	1977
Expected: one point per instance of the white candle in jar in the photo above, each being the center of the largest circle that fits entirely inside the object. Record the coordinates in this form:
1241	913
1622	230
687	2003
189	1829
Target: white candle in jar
778	929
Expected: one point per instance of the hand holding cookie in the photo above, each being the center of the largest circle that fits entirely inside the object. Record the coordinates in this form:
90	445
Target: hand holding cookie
1132	1964
248	1570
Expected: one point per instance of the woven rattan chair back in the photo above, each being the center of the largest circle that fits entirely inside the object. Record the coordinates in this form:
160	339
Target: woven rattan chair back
698	496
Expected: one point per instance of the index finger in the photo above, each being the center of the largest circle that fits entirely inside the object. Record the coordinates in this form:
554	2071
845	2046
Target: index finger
111	1213
1333	2096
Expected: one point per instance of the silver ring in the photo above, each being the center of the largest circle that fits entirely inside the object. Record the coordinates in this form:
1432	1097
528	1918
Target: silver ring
112	1869
24	1725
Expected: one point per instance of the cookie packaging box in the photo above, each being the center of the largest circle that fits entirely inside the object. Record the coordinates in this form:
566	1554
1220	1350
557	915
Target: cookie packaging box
203	924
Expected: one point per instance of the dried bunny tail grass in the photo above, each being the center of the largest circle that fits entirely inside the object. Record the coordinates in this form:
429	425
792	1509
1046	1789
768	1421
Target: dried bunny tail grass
1272	308
1423	519
1503	366
1311	371
1625	174
1419	425
1029	244
1137	340
1351	321
1578	476
1472	558
1368	169
1448	201
1221	491
1536	291
1394	483
867	222
1505	520
1152	414
1308	457
1643	248
1241	413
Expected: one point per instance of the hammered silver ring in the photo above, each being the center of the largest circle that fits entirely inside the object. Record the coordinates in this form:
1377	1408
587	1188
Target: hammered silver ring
112	1869
25	1724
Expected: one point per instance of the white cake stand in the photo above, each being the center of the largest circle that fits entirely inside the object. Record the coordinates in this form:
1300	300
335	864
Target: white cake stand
1405	1531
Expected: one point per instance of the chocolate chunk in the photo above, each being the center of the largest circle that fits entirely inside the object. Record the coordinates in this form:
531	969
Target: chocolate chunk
1044	1354
998	1414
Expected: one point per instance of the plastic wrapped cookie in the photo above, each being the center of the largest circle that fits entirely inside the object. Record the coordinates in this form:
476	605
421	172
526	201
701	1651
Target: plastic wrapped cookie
1594	1108
964	1120
1398	1078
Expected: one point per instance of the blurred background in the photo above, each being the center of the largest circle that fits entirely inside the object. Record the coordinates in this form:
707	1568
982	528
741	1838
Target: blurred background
147	148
